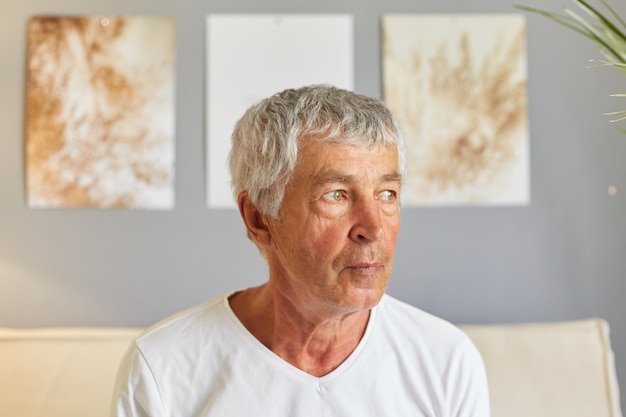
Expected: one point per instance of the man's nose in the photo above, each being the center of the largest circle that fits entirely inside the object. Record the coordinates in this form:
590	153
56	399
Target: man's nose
367	221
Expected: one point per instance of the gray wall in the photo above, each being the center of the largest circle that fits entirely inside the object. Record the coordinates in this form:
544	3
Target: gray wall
562	257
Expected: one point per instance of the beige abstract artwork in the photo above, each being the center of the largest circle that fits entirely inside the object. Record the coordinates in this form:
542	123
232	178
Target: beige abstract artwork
100	112
458	85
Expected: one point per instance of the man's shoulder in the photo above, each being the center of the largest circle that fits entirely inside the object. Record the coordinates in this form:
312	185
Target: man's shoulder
200	320
414	321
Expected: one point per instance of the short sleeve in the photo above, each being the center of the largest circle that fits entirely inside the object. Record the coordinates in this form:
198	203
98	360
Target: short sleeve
467	388
136	393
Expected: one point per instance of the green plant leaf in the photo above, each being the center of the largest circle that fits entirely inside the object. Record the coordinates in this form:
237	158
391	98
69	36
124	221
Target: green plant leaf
595	25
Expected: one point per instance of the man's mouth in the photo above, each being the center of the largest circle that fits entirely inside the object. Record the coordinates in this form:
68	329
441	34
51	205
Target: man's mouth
367	268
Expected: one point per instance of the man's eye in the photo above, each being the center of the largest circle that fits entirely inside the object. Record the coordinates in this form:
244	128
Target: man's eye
387	195
334	196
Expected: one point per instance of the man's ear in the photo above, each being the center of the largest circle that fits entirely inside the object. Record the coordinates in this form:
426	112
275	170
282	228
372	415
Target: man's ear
255	221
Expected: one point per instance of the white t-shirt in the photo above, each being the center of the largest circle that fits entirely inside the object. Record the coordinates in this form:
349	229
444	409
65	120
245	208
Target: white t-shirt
203	362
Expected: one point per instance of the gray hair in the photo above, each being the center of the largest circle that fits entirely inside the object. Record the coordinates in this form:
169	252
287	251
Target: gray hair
265	141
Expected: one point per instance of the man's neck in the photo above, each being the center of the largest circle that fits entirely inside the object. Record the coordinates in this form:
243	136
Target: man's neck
314	344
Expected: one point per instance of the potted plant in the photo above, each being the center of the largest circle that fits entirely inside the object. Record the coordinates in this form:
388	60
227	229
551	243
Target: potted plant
607	29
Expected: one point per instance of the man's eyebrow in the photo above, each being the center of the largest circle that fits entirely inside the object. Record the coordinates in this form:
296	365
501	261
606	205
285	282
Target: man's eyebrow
393	177
332	177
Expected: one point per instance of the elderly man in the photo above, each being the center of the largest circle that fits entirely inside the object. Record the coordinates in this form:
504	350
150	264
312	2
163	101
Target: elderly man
317	175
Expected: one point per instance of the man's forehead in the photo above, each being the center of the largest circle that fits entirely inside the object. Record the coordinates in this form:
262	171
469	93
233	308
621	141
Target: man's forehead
331	162
349	145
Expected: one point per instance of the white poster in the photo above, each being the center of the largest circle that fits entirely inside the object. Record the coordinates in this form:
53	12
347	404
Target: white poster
457	84
250	57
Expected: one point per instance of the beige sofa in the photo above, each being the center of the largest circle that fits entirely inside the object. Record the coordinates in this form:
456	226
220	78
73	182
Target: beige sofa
560	369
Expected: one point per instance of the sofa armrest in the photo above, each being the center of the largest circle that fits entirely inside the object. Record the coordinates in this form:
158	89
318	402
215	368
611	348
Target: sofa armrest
60	372
549	369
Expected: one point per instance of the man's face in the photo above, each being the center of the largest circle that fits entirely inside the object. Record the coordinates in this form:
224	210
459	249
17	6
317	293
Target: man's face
332	248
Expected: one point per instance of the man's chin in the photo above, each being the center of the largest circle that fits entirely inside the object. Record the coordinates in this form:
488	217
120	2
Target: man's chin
365	299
